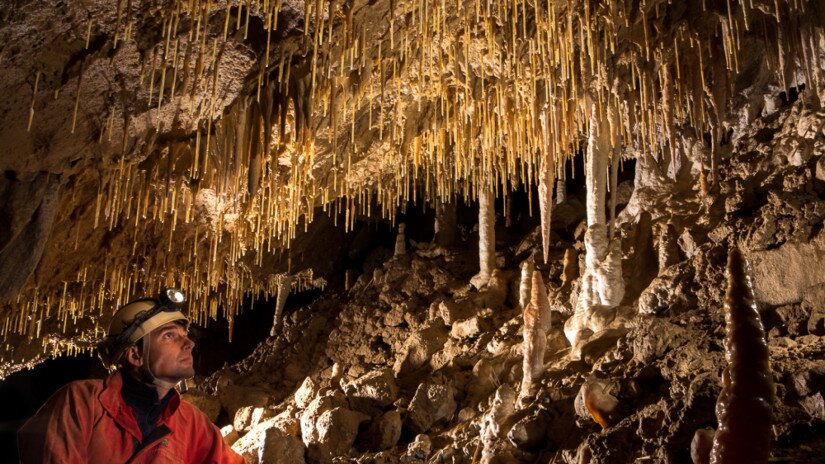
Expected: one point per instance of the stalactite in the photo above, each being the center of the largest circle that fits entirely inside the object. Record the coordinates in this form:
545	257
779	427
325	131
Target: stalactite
744	407
546	178
536	325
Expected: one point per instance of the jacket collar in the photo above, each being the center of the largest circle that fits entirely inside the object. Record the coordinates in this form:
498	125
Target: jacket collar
113	403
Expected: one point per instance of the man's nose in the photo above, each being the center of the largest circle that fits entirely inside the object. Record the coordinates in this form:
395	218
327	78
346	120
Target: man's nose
188	343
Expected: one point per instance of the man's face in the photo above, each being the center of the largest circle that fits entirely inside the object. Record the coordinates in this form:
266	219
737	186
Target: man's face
170	353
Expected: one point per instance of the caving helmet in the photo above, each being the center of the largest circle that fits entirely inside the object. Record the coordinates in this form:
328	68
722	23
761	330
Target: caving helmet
136	319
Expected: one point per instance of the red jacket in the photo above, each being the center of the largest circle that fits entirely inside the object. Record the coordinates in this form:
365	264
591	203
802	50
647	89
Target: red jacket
88	422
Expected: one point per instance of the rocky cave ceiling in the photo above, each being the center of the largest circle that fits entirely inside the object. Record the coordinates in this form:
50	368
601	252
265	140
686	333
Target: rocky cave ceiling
193	143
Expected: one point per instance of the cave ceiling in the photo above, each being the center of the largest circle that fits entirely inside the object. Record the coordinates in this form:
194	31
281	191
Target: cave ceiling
194	143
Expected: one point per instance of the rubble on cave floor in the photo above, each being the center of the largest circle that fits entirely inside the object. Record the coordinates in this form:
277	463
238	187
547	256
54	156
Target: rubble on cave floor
412	364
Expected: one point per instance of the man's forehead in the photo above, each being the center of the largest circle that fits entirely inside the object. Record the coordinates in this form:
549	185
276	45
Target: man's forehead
172	325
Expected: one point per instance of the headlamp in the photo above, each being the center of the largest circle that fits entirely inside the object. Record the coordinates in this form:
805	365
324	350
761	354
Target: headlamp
169	300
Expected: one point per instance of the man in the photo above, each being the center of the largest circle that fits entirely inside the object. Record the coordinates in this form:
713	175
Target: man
135	415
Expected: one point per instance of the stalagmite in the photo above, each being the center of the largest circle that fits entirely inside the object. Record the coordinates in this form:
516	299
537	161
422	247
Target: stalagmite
536	325
284	286
486	237
400	241
492	430
526	283
744	408
561	188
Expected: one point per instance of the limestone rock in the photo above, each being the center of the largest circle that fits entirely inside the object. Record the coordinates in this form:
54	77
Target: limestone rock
782	275
208	404
372	392
419	347
384	431
701	445
305	393
530	432
313	412
430	404
265	440
282	448
466	328
418	451
335	432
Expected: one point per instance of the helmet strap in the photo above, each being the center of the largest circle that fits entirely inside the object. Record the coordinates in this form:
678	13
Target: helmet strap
147	371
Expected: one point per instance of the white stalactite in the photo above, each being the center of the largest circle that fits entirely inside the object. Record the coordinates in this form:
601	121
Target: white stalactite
536	325
547	175
486	236
284	287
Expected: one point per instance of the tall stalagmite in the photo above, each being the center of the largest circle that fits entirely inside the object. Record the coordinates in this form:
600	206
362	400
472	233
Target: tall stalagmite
744	407
486	236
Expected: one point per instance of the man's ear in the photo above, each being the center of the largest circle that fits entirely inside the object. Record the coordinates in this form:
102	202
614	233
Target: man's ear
133	356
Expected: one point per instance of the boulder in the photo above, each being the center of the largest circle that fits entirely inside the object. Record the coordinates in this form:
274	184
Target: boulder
313	411
384	431
305	393
335	432
281	448
430	404
466	328
419	348
782	275
372	392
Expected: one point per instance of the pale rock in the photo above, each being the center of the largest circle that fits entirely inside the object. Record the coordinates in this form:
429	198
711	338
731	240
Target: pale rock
419	348
313	411
466	328
395	316
372	392
493	427
430	404
814	406
448	311
288	421
305	393
253	444
281	448
336	430
782	275
248	417
820	169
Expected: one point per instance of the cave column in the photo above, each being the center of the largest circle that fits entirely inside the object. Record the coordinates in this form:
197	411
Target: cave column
602	284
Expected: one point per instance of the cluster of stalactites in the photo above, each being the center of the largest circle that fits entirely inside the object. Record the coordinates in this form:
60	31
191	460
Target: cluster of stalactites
443	99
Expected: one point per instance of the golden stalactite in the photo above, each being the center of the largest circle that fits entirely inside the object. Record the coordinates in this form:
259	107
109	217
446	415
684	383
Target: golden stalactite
376	104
